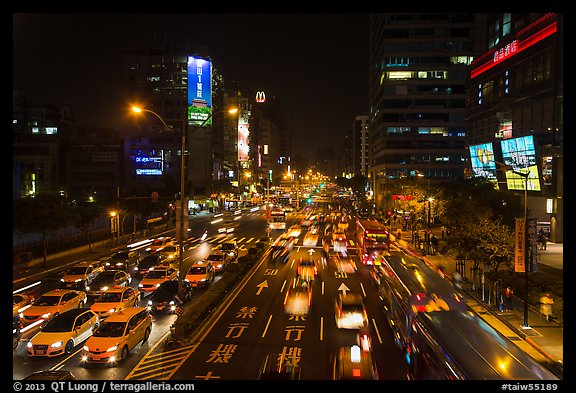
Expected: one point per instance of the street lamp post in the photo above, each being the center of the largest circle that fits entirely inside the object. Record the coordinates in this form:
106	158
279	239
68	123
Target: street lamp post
183	210
527	248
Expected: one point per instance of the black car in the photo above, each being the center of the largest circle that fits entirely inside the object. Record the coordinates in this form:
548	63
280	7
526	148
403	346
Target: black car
108	279
166	298
123	260
149	261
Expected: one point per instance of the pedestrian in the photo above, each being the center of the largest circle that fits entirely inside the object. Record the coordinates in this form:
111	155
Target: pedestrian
546	303
508	295
457	279
443	231
542	239
399	233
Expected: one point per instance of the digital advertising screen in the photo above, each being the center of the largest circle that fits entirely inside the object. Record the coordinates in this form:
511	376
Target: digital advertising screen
520	154
148	162
483	162
243	136
199	91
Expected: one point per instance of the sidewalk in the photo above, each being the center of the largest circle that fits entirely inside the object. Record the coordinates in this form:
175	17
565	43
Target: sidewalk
543	340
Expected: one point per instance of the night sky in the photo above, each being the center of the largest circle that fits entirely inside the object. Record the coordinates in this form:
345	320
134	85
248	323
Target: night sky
316	63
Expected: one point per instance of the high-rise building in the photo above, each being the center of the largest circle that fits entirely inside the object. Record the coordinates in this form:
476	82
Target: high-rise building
159	80
417	93
359	148
515	112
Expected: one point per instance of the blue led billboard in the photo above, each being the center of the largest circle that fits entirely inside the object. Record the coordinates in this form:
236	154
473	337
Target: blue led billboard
199	91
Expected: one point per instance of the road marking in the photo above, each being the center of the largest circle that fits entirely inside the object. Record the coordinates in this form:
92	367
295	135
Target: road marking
377	332
249	240
161	365
267	324
261	286
363	291
321	328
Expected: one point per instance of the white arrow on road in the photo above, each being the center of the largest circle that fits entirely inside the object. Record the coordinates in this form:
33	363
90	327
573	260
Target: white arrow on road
262	285
343	288
311	251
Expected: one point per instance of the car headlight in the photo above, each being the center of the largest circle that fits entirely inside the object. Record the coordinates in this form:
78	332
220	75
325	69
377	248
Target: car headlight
140	285
111	310
46	315
111	349
87	287
62	280
157	285
202	279
29	344
78	280
104	288
56	344
149	302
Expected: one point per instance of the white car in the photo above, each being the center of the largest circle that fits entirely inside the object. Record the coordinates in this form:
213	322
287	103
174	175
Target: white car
350	312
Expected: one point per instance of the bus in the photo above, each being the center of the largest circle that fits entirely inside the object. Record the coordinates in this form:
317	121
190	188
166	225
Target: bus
440	336
277	219
372	240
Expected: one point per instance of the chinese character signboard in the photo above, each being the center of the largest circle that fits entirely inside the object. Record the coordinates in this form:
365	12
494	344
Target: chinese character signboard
520	246
199	91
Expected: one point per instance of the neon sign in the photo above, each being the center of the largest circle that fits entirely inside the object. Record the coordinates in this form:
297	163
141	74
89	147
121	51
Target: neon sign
498	55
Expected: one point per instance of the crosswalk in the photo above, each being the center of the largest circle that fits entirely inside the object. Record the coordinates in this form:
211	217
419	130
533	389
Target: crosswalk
216	241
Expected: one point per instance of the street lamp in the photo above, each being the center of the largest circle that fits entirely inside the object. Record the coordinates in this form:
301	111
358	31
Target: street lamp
182	216
527	249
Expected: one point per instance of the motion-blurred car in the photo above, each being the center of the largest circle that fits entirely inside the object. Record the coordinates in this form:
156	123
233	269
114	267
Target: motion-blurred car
156	277
230	247
281	255
115	299
80	275
20	302
62	333
106	280
310	239
115	337
170	251
344	263
353	362
298	299
278	366
339	241
294	231
343	223
219	259
167	297
350	312
51	304
159	243
148	262
200	274
307	269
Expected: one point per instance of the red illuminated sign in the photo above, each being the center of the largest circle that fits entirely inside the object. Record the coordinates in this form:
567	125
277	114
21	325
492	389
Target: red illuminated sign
498	55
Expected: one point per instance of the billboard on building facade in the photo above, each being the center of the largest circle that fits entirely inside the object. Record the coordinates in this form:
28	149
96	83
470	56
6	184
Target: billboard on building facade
483	162
199	91
148	162
243	133
520	154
